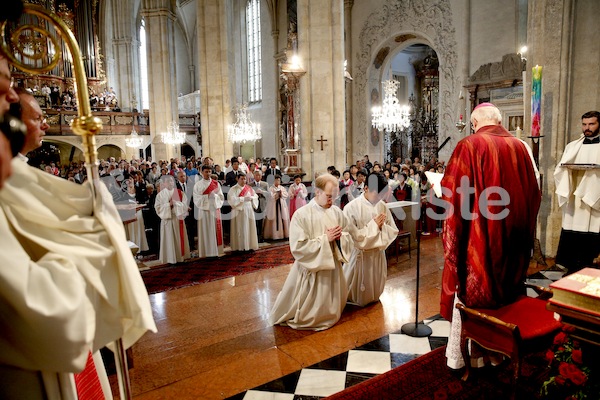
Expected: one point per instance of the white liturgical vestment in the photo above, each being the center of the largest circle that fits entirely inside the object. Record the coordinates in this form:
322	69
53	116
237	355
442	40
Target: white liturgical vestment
366	270
315	291
68	282
174	245
578	191
242	234
210	233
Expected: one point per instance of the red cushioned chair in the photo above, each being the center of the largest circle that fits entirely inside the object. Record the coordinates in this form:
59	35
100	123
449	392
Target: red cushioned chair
511	330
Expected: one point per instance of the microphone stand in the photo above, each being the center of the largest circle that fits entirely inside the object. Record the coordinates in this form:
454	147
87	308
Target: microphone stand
417	329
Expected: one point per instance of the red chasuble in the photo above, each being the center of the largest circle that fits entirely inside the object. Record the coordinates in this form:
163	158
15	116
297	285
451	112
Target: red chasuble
488	259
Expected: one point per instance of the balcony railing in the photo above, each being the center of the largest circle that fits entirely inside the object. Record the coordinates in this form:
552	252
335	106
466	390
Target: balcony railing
116	123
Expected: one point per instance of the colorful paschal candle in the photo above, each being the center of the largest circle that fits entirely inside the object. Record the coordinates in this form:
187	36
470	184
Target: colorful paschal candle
536	100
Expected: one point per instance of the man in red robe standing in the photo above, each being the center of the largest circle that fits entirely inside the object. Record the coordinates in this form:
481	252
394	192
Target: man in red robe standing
492	184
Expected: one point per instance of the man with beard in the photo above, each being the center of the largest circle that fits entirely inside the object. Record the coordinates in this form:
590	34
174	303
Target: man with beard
578	192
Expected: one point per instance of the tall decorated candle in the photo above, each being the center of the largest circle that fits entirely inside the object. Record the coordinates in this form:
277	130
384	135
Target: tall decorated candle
536	100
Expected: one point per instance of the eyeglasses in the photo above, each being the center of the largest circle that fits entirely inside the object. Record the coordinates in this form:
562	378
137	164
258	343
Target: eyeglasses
8	78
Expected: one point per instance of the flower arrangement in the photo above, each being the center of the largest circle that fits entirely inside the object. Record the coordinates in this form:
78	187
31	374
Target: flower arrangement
569	378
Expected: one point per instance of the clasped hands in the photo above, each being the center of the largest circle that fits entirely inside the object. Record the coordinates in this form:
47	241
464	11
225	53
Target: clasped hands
334	233
379	220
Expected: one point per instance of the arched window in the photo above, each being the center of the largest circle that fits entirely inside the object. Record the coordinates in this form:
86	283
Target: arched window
144	67
254	51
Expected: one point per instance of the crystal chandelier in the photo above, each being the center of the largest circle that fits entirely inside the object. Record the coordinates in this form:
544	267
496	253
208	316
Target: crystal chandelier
134	140
173	135
391	116
244	130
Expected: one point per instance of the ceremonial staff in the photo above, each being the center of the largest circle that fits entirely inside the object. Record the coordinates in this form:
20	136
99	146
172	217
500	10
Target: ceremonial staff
35	47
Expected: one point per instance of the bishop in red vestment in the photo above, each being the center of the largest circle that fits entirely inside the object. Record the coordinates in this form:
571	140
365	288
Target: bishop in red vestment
488	246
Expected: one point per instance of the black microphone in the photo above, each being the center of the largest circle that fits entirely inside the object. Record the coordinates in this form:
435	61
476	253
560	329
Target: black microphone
11	10
15	130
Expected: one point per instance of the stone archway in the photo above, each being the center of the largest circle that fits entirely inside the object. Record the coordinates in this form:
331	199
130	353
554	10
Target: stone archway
386	32
110	150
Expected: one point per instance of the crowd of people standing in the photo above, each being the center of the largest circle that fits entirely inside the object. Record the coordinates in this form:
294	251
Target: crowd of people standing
273	196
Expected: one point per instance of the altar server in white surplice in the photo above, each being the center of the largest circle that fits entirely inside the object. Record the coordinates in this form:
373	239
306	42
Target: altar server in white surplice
366	270
277	224
243	200
171	206
315	291
208	197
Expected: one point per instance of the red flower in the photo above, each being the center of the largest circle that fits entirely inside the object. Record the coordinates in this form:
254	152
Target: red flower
577	357
561	338
568	328
564	369
549	355
578	377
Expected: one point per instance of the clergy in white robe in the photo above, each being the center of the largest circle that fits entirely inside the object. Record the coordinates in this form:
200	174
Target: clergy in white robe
243	200
208	198
297	193
69	284
366	270
578	191
277	224
171	206
134	226
315	291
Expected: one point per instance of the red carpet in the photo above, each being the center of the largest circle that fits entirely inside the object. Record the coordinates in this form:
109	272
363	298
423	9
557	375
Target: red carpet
190	273
428	377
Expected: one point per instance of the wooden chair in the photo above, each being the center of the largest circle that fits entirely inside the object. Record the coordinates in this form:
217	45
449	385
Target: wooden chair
511	330
402	235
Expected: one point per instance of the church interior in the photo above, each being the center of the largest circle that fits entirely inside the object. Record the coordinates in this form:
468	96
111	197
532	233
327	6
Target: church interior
174	78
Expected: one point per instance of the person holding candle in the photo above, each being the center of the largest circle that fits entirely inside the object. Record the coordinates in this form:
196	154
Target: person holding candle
486	257
578	192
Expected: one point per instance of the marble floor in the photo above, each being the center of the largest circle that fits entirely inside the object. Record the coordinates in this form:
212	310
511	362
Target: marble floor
214	340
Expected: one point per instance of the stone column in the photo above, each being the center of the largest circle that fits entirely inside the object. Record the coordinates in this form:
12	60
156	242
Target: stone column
125	67
162	74
322	98
558	38
348	56
215	72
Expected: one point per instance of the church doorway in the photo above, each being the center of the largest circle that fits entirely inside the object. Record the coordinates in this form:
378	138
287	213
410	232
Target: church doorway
110	150
416	69
187	151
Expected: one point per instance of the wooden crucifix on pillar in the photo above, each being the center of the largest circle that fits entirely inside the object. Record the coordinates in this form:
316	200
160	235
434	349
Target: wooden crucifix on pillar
321	140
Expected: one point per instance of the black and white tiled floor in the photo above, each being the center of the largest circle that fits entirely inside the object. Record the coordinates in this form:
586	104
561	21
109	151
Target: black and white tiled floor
354	366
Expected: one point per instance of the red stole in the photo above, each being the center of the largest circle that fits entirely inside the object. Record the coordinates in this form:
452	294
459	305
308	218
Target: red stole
213	186
178	196
87	382
246	190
